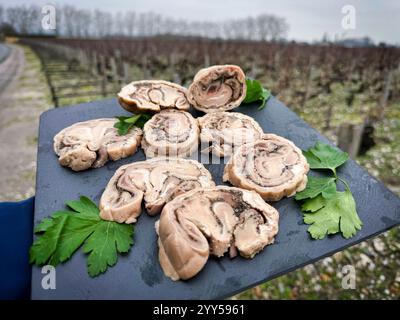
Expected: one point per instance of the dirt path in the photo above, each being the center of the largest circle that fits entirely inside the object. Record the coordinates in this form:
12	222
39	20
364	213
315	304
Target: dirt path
24	95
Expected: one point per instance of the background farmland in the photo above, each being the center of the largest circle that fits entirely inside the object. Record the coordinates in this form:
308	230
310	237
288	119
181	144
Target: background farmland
351	94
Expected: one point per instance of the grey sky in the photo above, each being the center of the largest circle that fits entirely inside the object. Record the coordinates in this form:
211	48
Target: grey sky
308	19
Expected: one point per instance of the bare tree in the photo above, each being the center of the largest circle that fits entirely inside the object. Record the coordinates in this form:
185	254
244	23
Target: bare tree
1	15
13	17
33	20
23	17
277	27
81	23
86	23
141	25
129	21
102	23
239	29
251	28
227	29
262	22
119	27
67	20
108	23
73	22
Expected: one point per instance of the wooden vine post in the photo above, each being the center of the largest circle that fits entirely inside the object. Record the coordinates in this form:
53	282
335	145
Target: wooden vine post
350	137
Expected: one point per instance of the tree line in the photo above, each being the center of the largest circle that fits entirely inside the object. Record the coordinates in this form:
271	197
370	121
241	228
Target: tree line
73	22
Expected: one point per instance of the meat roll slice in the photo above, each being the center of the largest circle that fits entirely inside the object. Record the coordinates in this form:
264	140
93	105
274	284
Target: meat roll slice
170	133
225	131
218	88
92	143
212	221
156	180
273	166
153	96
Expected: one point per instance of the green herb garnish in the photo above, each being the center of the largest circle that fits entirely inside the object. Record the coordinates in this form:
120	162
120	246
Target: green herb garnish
327	210
256	92
316	186
324	156
66	231
124	123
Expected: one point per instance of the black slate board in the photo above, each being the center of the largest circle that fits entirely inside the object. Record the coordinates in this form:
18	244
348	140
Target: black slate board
138	274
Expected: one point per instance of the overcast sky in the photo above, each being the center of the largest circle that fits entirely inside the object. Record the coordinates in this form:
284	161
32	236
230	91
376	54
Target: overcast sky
308	19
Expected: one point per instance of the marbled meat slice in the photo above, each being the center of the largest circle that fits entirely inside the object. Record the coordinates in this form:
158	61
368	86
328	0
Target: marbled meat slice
153	96
272	166
217	88
92	143
223	132
212	221
157	181
170	133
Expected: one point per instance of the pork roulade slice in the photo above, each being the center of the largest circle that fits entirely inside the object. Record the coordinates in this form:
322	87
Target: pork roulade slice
92	143
157	181
223	132
273	167
153	96
170	133
212	221
218	88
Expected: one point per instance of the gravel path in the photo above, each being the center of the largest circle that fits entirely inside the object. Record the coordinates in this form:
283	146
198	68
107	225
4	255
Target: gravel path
24	95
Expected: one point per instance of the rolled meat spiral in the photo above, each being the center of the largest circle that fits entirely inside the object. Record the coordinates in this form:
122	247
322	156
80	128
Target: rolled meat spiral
218	88
92	143
156	180
225	131
170	133
153	96
212	221
272	166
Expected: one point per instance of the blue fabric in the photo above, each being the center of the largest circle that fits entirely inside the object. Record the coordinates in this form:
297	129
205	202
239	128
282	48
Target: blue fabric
16	227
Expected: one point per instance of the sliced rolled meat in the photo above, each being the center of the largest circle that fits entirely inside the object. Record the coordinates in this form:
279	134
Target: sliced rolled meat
223	132
153	96
273	166
92	143
212	221
218	88
157	181
170	133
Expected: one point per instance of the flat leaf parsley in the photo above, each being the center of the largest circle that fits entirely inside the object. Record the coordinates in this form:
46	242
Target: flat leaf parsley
66	231
256	92
124	123
325	209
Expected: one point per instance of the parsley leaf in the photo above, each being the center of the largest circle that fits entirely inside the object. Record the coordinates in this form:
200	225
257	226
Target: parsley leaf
313	204
47	222
255	92
333	215
85	206
124	124
66	231
324	156
103	244
327	210
144	117
316	186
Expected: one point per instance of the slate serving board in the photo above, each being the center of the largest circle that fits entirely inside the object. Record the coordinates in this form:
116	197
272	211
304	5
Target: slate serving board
138	275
